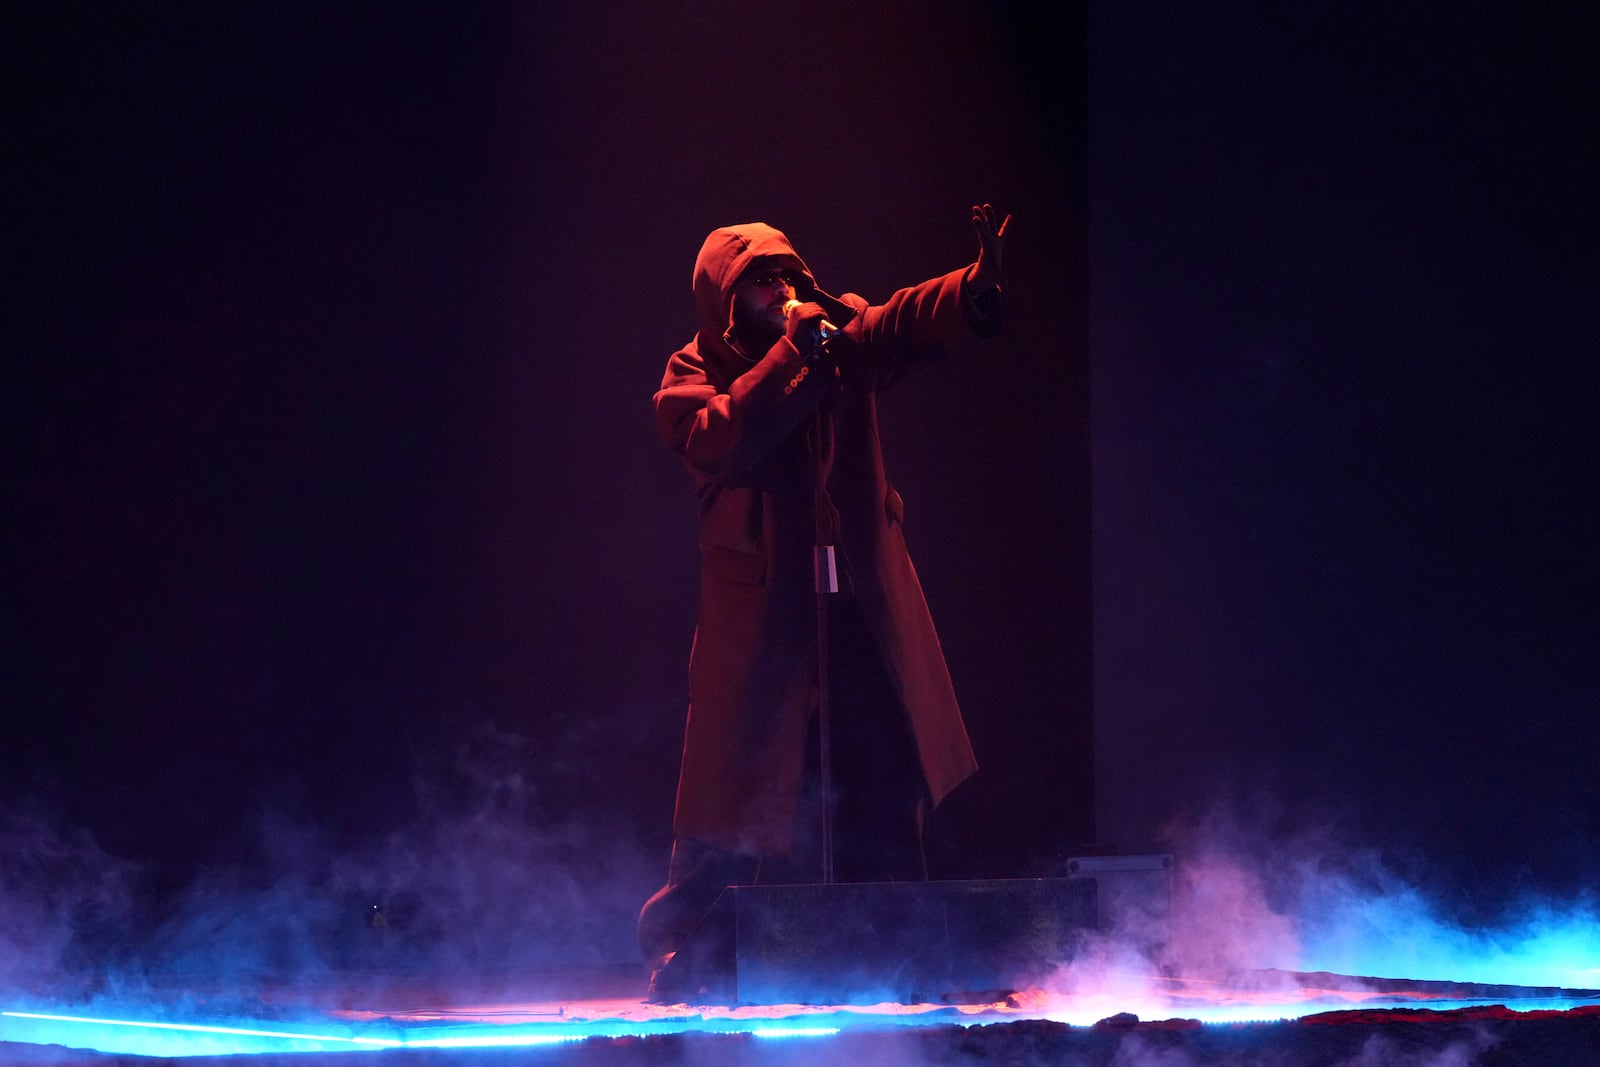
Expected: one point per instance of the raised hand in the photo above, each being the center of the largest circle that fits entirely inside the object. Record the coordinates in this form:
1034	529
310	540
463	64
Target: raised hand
990	268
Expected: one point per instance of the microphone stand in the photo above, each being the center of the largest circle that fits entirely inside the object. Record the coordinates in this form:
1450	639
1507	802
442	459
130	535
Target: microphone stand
826	582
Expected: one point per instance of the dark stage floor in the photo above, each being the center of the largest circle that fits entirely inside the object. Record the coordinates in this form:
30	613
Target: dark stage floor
598	1018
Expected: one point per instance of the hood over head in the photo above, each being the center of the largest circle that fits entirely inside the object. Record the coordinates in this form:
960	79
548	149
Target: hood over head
728	253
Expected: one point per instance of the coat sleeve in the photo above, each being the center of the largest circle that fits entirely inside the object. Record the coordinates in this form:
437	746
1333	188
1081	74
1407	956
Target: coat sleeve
725	433
919	325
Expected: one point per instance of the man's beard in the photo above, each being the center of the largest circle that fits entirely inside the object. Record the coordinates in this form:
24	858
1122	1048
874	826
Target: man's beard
756	333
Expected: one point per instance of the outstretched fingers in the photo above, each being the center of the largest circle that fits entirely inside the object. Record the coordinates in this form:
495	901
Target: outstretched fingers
984	216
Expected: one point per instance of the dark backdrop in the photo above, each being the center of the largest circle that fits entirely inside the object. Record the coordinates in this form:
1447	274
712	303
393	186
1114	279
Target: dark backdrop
1343	263
330	459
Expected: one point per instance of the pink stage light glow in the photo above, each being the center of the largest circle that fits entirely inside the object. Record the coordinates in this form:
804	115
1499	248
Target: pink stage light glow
508	1026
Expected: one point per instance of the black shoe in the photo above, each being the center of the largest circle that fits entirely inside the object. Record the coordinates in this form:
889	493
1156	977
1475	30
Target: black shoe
659	990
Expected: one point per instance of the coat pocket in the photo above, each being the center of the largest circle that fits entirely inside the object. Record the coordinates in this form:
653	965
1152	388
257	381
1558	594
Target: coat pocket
747	568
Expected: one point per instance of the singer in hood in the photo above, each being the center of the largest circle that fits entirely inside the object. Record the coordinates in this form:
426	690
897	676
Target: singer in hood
773	409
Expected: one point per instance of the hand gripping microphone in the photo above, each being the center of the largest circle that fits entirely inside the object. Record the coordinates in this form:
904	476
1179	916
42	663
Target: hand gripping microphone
825	329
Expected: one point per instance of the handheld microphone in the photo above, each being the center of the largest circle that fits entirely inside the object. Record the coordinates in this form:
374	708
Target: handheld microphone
825	329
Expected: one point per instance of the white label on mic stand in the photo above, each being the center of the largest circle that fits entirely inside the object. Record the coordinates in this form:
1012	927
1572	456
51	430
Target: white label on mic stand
827	572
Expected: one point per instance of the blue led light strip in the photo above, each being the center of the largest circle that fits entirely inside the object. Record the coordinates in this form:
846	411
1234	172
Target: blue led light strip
198	1028
406	1041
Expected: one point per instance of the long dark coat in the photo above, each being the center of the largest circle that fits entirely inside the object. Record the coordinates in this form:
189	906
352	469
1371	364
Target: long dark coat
754	433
